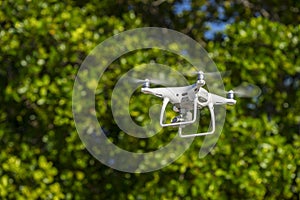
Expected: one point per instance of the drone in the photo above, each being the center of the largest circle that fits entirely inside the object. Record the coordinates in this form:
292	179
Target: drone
188	100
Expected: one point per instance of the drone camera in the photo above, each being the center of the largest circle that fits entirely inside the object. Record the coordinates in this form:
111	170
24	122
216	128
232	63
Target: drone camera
177	119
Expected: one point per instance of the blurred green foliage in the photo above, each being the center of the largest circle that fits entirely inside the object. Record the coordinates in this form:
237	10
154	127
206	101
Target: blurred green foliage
42	44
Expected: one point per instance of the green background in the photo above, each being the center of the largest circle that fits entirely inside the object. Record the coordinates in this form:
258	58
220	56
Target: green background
43	43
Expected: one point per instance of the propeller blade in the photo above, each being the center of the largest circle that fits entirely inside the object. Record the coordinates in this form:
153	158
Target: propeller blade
152	81
247	90
135	80
208	74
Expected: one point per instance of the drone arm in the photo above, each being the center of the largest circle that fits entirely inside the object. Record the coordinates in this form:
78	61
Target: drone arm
219	100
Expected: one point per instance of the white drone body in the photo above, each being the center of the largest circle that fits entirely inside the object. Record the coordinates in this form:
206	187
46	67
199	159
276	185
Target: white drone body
187	100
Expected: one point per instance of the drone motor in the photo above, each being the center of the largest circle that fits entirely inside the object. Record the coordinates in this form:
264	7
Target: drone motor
230	94
146	83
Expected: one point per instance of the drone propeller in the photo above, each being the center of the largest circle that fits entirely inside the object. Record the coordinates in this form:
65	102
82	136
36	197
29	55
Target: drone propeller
222	73
146	82
201	75
246	90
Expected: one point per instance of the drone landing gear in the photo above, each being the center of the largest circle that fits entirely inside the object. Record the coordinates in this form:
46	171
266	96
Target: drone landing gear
189	118
212	115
